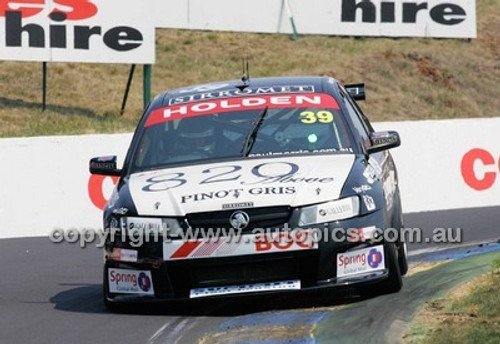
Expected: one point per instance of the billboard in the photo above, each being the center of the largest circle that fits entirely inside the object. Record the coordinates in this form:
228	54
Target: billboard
123	31
391	18
109	31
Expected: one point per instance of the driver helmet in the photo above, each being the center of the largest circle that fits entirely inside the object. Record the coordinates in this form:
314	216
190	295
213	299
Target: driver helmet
197	134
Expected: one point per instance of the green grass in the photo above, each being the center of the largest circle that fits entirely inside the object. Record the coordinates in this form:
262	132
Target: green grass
471	317
407	78
487	298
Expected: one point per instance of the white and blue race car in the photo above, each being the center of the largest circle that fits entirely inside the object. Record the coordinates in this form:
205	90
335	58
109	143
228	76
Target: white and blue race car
249	187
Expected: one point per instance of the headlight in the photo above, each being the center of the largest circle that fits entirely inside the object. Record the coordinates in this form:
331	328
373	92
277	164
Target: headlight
113	198
137	226
330	211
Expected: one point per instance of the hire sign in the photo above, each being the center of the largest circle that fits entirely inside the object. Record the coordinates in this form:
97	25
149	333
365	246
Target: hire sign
109	31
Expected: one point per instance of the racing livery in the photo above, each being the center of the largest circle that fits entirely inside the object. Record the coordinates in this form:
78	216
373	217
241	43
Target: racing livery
249	187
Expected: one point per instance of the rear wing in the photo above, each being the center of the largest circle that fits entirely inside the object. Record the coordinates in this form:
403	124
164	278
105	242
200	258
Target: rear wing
357	91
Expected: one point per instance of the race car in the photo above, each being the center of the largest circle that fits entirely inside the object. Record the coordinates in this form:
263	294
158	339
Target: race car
251	187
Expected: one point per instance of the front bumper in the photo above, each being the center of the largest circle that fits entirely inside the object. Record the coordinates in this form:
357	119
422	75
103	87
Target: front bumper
316	269
357	281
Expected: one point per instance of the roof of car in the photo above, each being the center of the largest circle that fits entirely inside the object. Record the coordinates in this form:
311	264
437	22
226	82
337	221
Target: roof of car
221	89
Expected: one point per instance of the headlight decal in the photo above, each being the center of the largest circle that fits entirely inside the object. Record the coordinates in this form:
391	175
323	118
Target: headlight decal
139	226
329	211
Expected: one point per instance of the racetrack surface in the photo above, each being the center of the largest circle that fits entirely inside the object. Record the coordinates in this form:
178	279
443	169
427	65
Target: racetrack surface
51	293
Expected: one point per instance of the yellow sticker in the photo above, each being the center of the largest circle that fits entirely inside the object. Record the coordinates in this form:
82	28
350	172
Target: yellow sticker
309	117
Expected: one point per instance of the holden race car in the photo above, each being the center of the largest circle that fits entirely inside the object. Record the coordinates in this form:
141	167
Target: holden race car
253	187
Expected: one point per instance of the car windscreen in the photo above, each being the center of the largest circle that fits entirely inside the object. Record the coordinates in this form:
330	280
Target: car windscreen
221	129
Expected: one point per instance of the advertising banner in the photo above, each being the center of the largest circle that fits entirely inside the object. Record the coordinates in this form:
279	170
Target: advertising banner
392	18
103	31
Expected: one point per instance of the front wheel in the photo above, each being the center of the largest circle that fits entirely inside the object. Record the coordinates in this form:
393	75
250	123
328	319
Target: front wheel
403	258
112	306
109	305
394	282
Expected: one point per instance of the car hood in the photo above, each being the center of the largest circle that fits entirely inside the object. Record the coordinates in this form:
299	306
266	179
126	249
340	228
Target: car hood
237	184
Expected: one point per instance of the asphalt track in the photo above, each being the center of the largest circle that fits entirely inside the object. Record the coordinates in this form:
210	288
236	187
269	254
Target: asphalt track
51	293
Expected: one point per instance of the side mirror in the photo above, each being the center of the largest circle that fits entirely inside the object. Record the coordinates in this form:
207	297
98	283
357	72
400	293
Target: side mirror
104	165
357	91
383	140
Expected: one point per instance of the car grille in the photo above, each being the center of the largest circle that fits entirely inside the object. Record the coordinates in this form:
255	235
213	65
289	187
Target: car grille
185	275
272	270
267	217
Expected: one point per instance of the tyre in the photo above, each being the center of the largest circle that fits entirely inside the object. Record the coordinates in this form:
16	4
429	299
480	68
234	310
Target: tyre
393	283
109	305
403	258
402	254
112	306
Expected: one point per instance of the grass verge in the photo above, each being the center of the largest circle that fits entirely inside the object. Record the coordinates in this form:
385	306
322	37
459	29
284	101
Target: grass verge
469	314
407	78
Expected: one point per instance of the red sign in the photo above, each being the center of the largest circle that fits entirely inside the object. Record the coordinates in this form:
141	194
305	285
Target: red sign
95	189
74	9
479	181
283	241
207	107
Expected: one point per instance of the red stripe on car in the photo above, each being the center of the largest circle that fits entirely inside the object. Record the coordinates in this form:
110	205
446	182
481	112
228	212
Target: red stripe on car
186	249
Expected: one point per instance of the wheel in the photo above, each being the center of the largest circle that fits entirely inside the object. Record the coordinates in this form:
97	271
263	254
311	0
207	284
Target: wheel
401	244
105	301
403	258
112	306
393	283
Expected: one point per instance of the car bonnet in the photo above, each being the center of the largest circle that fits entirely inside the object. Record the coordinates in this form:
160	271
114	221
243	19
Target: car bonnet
285	181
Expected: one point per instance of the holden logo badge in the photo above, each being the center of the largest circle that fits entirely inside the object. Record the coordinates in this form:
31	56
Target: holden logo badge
239	220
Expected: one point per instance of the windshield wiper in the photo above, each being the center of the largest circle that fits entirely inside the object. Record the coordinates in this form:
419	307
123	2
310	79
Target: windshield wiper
250	140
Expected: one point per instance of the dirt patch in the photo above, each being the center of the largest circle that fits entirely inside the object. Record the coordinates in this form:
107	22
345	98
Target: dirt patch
388	55
418	267
426	67
491	42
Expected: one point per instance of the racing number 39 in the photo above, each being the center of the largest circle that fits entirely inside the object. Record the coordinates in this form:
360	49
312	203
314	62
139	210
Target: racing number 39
310	117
